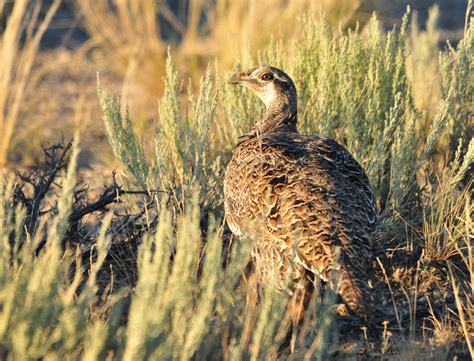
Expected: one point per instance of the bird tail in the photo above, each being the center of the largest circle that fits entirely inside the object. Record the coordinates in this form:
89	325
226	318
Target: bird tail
355	294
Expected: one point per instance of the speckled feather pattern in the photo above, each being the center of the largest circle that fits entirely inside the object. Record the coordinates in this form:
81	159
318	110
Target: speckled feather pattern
308	204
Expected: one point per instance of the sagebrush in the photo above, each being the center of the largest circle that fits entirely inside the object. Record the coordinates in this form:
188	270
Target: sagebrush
159	276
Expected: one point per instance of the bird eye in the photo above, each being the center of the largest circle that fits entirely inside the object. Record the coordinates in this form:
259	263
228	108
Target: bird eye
267	76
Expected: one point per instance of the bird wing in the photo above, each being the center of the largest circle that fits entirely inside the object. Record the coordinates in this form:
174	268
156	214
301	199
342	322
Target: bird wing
311	195
327	199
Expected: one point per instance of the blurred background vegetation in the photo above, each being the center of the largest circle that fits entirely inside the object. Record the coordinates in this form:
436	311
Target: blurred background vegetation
143	267
52	50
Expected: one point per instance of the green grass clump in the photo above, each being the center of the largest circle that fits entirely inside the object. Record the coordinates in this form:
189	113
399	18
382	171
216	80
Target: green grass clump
42	311
193	297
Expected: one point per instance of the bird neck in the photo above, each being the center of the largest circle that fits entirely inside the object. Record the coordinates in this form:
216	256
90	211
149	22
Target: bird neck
280	116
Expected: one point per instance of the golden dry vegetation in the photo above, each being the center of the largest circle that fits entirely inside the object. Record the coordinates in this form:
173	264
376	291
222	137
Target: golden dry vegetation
113	246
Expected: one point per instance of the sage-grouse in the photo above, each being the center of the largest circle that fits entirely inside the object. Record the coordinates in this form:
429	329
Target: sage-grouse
305	199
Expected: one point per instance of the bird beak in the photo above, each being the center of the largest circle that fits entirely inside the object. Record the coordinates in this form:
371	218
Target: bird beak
236	79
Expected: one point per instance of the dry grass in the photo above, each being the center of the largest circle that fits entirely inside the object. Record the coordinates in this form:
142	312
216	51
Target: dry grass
153	273
16	62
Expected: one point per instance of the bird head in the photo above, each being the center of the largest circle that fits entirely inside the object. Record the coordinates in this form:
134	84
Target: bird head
270	84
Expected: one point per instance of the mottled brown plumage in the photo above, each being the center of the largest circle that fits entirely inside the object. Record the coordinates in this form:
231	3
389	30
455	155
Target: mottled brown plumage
305	199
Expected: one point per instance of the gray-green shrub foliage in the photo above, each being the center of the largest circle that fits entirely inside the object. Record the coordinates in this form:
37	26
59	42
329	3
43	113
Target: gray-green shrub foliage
352	87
